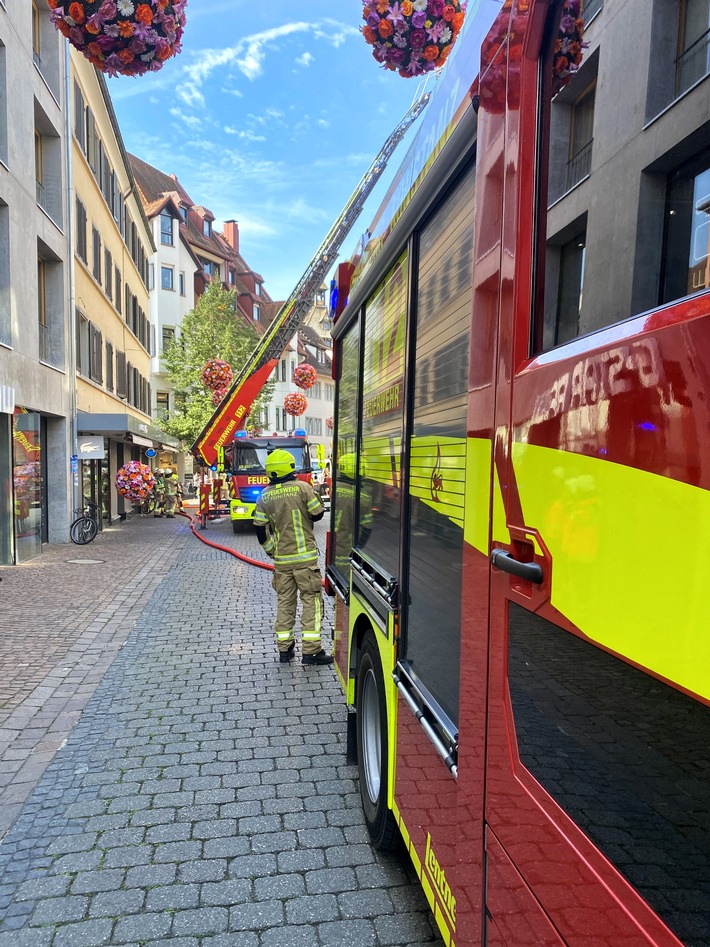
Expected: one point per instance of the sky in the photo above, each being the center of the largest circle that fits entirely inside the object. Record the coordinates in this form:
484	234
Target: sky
270	115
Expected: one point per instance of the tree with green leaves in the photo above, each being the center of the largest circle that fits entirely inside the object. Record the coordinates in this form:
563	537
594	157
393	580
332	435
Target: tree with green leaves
213	329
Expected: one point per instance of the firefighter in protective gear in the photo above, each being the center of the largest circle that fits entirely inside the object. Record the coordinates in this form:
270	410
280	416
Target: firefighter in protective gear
159	493
283	519
170	493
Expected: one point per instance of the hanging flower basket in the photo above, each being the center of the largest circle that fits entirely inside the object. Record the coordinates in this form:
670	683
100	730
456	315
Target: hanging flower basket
135	480
414	36
218	395
329	423
217	374
567	56
295	404
124	37
304	375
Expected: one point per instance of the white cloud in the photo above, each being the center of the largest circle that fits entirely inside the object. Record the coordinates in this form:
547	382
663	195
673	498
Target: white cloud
305	60
235	92
192	121
243	135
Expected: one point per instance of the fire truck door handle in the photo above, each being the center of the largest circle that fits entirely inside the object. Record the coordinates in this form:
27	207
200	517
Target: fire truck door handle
502	559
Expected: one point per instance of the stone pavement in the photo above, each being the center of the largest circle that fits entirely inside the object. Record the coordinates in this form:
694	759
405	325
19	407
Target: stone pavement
163	779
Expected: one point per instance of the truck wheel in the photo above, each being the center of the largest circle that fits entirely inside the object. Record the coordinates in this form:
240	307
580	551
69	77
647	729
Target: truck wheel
236	526
372	750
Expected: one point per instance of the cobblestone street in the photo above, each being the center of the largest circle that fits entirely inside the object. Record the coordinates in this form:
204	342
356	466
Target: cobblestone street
163	779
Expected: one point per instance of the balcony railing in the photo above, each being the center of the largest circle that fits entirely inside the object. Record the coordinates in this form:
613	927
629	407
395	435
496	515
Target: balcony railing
579	165
692	64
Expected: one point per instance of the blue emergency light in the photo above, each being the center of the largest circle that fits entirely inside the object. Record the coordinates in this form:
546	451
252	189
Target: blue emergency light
241	434
300	432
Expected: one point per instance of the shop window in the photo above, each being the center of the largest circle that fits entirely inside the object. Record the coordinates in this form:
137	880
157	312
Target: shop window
27	484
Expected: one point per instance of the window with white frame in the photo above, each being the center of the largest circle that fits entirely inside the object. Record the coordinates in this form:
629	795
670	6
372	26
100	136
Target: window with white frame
166	229
167	277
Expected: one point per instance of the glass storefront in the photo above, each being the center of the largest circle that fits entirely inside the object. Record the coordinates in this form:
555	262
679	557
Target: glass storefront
6	512
27	485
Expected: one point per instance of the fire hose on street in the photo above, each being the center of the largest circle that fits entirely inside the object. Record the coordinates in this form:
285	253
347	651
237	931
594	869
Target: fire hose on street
232	552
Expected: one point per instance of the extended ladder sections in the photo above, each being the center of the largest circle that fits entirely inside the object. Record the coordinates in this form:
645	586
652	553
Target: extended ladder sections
290	317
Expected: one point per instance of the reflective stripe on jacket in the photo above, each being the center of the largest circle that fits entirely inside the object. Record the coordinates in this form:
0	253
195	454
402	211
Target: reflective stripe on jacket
286	509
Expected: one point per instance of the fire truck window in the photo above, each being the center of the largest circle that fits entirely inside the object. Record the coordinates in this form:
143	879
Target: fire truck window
342	516
382	418
626	756
248	459
438	448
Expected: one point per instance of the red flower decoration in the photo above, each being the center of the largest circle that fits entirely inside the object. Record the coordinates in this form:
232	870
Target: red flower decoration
304	375
329	423
122	36
217	374
295	404
218	396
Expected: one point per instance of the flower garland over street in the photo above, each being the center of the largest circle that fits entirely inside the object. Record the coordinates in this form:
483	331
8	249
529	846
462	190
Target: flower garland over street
122	36
412	36
295	404
304	375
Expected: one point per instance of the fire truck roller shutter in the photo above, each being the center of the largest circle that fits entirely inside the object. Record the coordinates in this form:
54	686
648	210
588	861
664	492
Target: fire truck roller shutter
372	751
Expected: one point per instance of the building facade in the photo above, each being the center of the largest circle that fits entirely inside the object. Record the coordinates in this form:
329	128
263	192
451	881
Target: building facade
113	244
629	172
36	388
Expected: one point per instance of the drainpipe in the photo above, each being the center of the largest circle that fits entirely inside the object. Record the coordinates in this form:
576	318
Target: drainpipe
74	439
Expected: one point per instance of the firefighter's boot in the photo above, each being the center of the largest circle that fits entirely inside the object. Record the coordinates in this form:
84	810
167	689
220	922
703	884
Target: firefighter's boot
320	658
285	656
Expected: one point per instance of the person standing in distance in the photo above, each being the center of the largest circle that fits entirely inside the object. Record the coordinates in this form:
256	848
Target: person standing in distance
283	520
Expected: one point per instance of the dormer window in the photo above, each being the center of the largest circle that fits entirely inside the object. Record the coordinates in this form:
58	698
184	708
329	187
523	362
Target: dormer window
166	229
257	289
207	227
183	213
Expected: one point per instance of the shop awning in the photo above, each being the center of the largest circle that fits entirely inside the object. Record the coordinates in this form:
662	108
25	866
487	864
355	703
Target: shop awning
126	428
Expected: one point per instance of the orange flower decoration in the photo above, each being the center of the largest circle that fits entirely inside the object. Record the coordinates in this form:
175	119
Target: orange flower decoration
144	14
76	12
431	53
385	29
125	28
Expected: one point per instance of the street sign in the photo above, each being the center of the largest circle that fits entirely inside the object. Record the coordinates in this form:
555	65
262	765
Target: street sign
150	452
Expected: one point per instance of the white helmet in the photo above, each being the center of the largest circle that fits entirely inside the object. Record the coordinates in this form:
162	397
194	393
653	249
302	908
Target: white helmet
160	471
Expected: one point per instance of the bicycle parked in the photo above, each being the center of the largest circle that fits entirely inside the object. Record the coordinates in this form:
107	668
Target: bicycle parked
84	529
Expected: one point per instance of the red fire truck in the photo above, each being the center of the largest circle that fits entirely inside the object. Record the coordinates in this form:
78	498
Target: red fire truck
246	458
518	542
